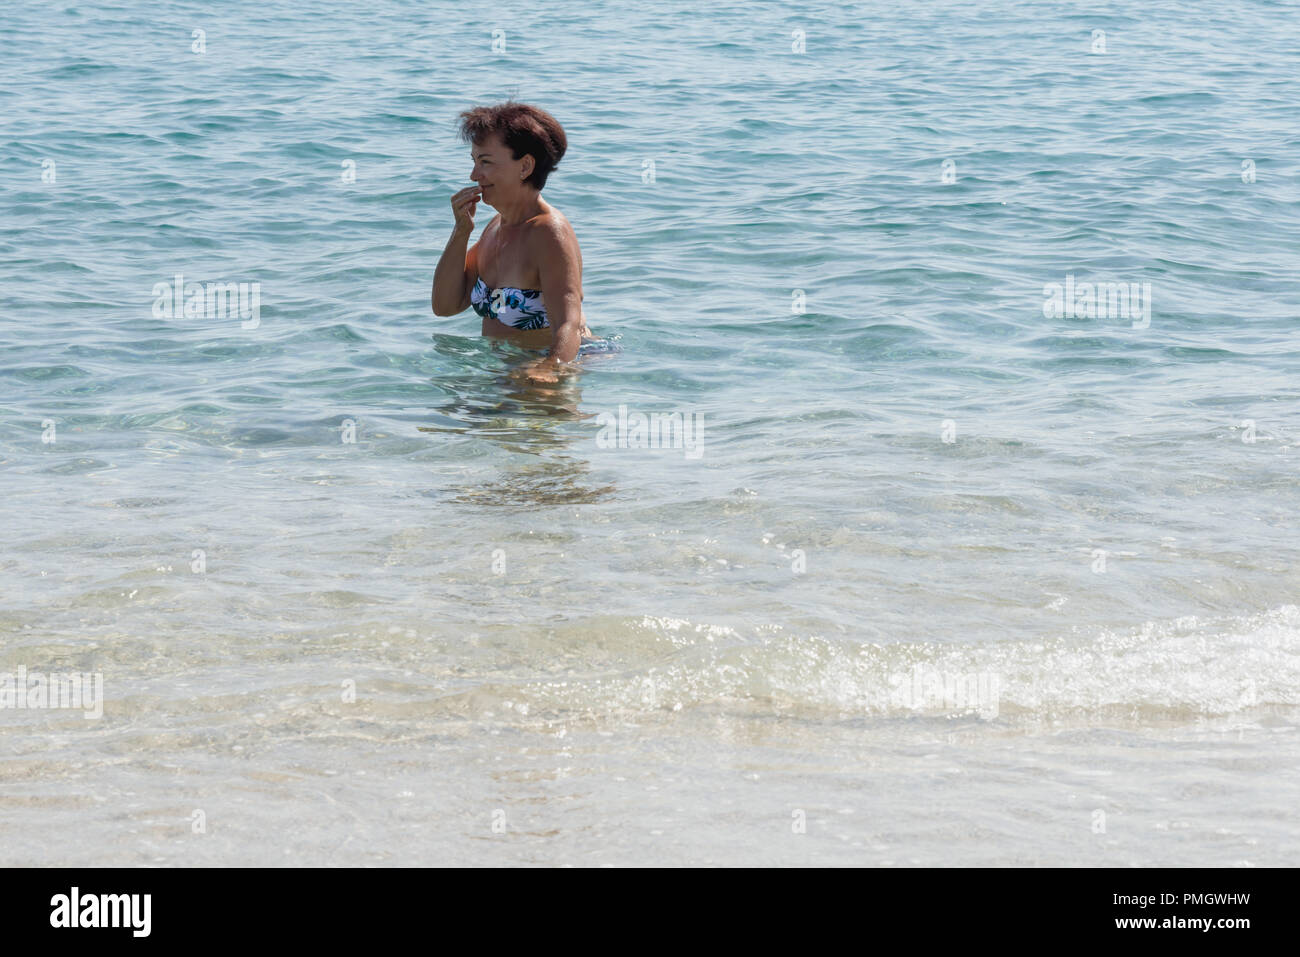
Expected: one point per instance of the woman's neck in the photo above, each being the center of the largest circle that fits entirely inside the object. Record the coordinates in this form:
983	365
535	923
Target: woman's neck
512	214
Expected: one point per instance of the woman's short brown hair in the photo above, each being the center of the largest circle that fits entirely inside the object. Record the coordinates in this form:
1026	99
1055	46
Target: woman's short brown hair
524	129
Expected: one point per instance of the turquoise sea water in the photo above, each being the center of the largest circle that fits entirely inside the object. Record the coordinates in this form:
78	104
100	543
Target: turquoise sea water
359	598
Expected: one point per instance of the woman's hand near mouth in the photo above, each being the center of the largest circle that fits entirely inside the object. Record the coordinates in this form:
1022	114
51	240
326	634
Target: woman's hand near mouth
463	205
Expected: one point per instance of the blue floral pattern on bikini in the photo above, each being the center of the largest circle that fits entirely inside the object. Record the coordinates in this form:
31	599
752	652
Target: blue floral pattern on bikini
520	308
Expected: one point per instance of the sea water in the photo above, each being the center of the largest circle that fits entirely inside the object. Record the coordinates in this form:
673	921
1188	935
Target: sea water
939	508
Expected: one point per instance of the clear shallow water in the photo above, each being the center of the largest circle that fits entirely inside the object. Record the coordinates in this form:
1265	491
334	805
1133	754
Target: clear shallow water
680	655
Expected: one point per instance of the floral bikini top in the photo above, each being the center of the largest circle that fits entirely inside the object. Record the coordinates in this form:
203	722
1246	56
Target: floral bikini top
520	308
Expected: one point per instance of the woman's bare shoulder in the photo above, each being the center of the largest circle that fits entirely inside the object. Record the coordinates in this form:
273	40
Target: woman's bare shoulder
554	225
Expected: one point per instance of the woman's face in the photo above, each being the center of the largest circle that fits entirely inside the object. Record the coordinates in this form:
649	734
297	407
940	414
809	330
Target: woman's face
500	175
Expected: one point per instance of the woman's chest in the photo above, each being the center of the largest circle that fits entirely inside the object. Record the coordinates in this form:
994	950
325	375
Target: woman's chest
504	260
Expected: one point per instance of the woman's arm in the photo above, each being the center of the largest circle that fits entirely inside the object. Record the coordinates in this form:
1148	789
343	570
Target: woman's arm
454	278
560	263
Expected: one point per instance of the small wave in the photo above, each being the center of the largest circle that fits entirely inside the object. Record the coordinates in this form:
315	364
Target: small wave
1175	671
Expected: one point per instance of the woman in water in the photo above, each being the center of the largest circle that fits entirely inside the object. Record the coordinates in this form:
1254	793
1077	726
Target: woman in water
524	275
